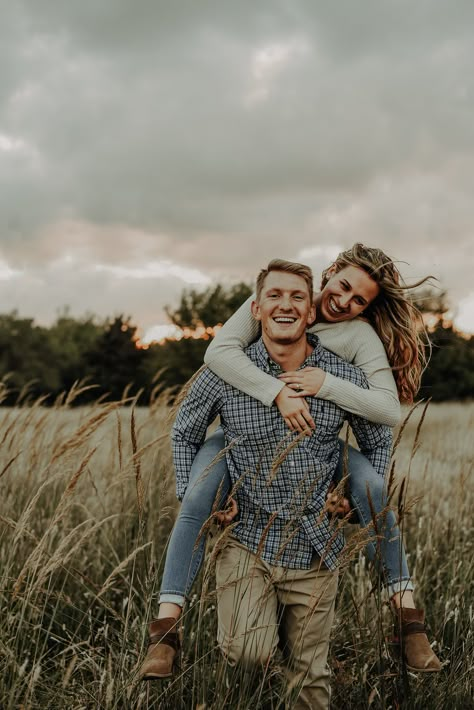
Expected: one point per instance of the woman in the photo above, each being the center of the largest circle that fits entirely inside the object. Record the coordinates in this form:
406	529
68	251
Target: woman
361	305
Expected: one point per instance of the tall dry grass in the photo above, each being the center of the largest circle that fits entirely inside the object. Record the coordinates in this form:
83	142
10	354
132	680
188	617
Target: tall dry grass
87	506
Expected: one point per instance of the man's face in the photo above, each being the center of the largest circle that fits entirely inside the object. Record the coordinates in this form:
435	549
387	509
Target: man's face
284	308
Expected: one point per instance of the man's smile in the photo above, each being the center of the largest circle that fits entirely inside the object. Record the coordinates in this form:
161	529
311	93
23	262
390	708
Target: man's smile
285	319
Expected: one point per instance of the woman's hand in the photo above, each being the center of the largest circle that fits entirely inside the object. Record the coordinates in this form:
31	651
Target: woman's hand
294	412
305	383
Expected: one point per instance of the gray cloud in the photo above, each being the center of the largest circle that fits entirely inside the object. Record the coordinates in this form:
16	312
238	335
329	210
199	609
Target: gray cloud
217	135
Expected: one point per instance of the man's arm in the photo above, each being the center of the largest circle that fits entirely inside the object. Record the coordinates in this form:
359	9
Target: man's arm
375	442
199	408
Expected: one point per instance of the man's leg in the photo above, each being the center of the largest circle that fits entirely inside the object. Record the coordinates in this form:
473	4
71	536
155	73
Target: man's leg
246	606
308	598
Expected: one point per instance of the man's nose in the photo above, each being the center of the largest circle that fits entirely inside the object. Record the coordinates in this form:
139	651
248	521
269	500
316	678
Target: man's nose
285	303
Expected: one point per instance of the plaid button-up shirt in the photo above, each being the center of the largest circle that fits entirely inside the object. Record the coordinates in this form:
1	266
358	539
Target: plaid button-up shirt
280	480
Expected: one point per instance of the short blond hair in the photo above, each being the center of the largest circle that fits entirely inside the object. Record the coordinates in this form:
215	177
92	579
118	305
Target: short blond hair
289	267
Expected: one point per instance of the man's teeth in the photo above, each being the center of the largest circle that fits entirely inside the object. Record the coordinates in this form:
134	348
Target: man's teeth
283	319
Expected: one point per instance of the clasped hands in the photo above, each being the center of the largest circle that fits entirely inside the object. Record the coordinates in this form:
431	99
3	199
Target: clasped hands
290	401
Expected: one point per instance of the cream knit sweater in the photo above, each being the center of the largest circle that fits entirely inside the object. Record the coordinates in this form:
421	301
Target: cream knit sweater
355	341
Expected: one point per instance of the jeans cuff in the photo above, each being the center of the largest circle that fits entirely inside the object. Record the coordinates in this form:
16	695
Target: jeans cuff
400	586
166	598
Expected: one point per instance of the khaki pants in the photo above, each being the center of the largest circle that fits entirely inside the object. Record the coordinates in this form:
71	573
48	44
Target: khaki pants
259	604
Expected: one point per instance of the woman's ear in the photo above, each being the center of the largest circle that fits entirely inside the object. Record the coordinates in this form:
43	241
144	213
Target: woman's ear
331	271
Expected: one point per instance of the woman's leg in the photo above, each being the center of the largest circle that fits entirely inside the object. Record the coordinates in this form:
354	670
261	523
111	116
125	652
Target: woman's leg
209	480
184	557
389	555
385	546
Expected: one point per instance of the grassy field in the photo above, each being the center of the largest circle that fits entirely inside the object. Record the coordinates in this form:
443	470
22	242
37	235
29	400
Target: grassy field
87	506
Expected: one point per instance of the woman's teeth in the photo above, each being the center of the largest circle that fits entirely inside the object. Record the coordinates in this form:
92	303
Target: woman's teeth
332	306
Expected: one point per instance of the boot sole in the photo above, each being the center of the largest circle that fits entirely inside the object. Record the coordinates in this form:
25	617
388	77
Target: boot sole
423	670
396	654
157	676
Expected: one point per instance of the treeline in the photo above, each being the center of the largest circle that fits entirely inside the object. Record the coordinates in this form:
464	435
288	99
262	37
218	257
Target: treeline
36	361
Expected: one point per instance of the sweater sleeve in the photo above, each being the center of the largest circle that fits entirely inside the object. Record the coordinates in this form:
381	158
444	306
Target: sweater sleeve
378	404
225	357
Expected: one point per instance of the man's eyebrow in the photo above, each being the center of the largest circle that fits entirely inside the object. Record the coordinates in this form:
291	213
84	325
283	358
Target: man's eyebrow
298	292
279	290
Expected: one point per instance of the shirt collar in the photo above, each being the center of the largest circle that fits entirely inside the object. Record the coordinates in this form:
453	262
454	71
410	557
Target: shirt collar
316	357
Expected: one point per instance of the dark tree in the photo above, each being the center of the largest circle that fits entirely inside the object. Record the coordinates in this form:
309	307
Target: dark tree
450	373
208	308
71	340
172	363
114	362
27	361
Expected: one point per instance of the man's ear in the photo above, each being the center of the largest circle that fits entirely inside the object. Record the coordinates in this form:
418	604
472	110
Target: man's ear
255	308
312	314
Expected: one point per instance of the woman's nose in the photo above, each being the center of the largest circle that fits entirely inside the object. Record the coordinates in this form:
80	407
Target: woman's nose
344	300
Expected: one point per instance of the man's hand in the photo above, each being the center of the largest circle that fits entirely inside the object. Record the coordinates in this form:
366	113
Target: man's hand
295	412
336	504
224	517
306	382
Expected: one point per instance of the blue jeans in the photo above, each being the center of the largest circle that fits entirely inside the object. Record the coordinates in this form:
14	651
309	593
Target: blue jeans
385	546
208	478
186	546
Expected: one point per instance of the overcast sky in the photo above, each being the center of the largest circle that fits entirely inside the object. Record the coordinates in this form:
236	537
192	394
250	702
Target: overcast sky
150	146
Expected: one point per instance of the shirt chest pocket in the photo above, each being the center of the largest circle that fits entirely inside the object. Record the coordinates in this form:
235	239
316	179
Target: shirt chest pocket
245	416
329	420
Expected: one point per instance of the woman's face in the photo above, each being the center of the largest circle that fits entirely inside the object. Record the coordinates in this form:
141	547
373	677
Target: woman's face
345	295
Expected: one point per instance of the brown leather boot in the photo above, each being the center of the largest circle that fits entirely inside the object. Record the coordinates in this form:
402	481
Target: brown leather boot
164	646
410	634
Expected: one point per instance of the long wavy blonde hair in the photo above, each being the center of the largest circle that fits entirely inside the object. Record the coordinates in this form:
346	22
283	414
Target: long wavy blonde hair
393	315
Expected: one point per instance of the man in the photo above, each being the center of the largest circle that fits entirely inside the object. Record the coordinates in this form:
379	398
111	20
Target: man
282	554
